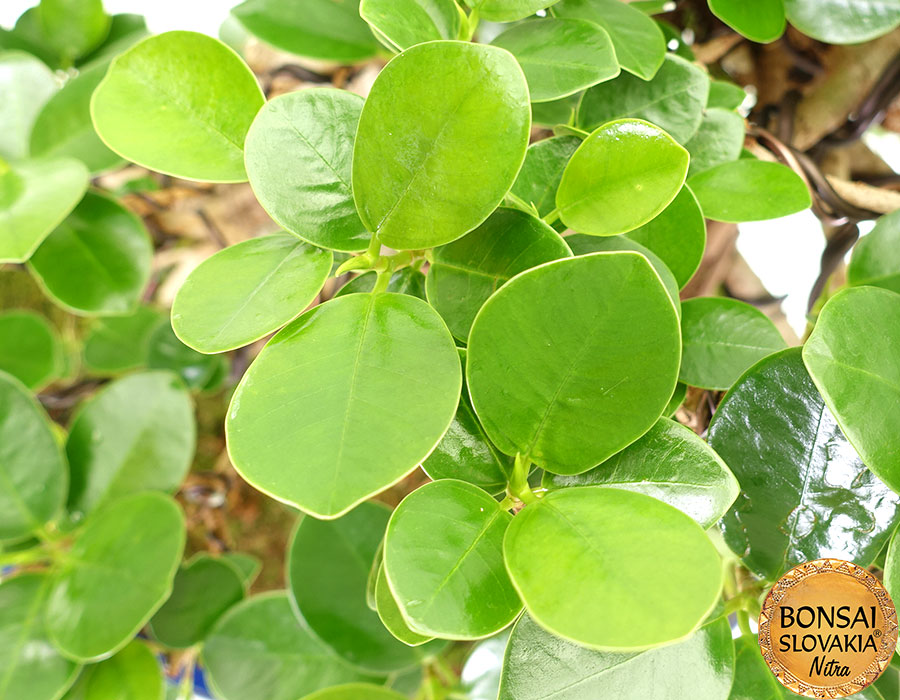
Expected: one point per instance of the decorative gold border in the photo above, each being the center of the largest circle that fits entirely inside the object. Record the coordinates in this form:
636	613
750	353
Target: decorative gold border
888	637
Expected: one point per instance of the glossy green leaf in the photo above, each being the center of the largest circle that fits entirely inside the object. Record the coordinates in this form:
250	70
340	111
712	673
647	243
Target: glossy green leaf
119	343
29	348
463	591
621	570
203	590
405	23
805	492
26	84
721	339
701	666
673	100
73	27
298	155
64	127
639	43
180	103
542	170
480	676
677	399
876	256
247	566
843	21
271	280
116	575
357	371
132	674
622	175
355	691
328	29
198	371
725	95
507	10
97	261
670	463
439	117
259	649
136	434
599	375
30	666
749	190
405	281
33	474
560	56
719	139
851	357
761	21
465	273
328	569
35	197
390	614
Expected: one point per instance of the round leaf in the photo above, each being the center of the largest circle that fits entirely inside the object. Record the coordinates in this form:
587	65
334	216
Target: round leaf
405	23
72	29
29	348
619	570
443	558
180	103
247	566
298	155
622	175
507	10
390	615
843	21
725	94
355	691
116	575
599	375
762	21
118	343
542	170
134	673
719	139
26	84
439	117
196	370
358	371
876	257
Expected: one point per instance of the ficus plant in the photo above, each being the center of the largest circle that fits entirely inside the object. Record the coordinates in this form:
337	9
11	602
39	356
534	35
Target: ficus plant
475	289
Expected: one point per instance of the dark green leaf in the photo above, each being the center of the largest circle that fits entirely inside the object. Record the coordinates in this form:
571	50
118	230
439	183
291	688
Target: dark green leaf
197	371
542	170
247	566
677	399
29	348
761	21
118	343
405	23
405	281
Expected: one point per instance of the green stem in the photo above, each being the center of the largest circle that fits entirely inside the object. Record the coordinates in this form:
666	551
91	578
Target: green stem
444	672
743	620
519	203
472	24
26	556
518	481
382	281
551	218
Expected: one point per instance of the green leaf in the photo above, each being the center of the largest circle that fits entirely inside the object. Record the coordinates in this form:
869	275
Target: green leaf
298	155
203	590
507	10
73	27
480	677
196	370
331	30
64	129
390	614
132	674
35	197
749	190
355	691
26	84
29	348
670	463
673	100
599	375
638	40
677	236
560	56
26	36
247	566
463	591
721	339
179	103
33	473
542	170
118	343
725	95
876	257
270	281
405	23
259	649
643	170
97	261
805	492
116	575
136	434
125	30
719	139
358	371
405	281
843	21
677	399
892	567
701	666
851	357
30	666
466	272
549	114
620	570
439	117
761	21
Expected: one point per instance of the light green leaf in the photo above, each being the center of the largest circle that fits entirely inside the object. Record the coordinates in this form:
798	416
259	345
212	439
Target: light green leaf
26	84
725	95
443	558
97	261
132	674
670	463
136	434
719	139
507	10
29	348
622	175
357	371
876	257
560	56
125	30
405	23
749	190
761	21
118	343
542	170
390	614
73	27
851	356
721	339
33	474
439	117
621	570
116	575
355	691
550	114
179	103
843	21
298	155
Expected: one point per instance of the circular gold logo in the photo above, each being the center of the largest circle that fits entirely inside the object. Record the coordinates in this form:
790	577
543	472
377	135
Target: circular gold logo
827	629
